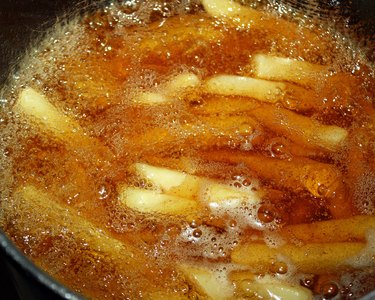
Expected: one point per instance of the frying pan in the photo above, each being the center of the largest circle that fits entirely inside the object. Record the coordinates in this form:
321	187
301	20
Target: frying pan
25	22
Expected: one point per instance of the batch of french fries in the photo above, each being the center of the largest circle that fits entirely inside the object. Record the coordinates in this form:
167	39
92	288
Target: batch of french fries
231	117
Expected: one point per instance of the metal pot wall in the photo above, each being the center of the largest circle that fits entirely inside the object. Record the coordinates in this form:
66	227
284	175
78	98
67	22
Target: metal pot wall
22	22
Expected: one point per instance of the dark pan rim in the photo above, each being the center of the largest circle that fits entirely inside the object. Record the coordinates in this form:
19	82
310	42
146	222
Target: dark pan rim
24	264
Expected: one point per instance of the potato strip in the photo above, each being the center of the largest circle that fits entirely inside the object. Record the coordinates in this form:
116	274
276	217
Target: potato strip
170	90
273	290
204	190
245	17
207	281
310	258
300	129
319	179
148	201
232	85
36	107
53	220
40	112
342	230
287	69
204	131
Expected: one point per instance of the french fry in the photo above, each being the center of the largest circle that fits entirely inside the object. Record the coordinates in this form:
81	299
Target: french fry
207	282
249	284
319	179
273	290
37	110
232	11
245	17
232	85
189	186
180	30
342	230
170	181
289	95
205	131
149	201
52	221
169	91
317	258
285	69
241	275
292	97
300	129
223	105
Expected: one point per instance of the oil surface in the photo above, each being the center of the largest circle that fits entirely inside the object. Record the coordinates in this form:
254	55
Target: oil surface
73	222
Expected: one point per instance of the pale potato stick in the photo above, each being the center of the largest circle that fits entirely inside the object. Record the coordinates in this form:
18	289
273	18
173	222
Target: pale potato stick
150	201
170	181
233	85
151	98
180	83
37	109
170	90
314	258
247	17
300	129
211	193
207	282
273	290
53	220
232	11
218	195
287	69
320	179
341	230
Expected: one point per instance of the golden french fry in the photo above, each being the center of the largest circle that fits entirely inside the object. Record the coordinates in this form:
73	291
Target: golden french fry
232	85
223	105
205	131
180	30
320	179
314	258
286	69
83	241
342	230
300	129
149	201
207	282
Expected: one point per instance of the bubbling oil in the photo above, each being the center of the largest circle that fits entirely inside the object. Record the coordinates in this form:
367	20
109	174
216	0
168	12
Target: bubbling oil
97	69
